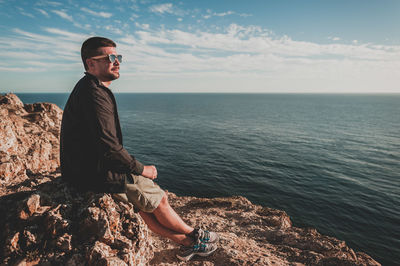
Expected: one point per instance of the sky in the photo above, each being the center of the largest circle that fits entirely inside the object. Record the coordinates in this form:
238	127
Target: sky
252	46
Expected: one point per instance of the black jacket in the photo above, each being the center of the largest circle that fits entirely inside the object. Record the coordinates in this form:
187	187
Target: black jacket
91	152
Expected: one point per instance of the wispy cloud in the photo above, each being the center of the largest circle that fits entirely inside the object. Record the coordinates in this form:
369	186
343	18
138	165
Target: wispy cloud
229	53
43	12
333	38
236	51
68	35
97	14
162	8
21	69
223	14
32	52
257	40
254	54
63	14
245	15
142	26
210	14
48	3
113	29
167	8
24	13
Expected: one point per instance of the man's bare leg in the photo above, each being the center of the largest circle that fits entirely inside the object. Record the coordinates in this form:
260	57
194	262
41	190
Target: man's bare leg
167	217
155	226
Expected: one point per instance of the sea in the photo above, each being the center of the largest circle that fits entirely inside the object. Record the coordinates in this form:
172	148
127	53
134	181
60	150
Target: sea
331	161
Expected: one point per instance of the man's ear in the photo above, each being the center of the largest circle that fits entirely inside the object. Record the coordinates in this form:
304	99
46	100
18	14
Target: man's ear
89	63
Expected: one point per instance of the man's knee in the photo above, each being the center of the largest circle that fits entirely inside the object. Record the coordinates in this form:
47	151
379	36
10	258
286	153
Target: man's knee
164	201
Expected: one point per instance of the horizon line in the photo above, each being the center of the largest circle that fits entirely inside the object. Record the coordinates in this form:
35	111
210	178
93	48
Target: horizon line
67	92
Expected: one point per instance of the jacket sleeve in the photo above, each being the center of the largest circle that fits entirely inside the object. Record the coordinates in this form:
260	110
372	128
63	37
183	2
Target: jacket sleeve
99	112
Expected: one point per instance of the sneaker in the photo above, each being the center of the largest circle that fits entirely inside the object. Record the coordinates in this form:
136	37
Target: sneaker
205	236
201	249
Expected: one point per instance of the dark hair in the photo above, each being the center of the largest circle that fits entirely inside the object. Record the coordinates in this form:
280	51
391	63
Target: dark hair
90	47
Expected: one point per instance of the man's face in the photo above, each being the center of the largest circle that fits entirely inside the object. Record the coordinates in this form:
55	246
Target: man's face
102	68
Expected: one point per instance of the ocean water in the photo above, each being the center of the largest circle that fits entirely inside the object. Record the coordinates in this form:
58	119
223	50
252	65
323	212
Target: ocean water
330	161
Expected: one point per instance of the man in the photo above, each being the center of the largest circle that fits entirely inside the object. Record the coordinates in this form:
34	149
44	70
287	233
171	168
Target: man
93	157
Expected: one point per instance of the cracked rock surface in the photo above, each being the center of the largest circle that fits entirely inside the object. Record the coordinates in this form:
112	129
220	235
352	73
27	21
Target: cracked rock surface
254	235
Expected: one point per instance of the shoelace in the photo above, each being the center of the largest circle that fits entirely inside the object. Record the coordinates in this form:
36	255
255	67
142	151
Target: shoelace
199	247
204	235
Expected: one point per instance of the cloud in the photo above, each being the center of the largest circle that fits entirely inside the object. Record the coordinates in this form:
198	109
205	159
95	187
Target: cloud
21	69
222	14
247	54
237	49
245	15
252	55
167	8
162	8
97	14
68	35
63	14
22	55
334	38
24	13
113	29
255	40
57	48
43	12
48	3
133	17
142	26
84	27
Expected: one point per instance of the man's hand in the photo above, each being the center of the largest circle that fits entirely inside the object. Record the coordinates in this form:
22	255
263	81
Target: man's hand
150	171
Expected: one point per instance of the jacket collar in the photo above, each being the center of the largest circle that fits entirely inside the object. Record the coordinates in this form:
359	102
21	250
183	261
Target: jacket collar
94	78
98	83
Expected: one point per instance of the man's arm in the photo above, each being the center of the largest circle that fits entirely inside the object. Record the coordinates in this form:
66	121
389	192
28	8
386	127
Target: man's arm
99	114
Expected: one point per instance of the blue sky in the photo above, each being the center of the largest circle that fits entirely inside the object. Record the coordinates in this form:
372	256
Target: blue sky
206	46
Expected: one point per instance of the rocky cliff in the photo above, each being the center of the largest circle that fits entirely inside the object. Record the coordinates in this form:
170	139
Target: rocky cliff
44	221
28	138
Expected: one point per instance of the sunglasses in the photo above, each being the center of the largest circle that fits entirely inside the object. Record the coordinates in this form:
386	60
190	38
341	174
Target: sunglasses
111	57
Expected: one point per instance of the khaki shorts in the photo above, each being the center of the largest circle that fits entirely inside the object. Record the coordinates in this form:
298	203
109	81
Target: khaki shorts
142	192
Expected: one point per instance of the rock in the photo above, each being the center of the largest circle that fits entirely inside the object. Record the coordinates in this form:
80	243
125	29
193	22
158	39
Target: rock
44	221
33	203
72	228
255	235
54	223
12	101
276	218
30	238
64	242
28	139
12	244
